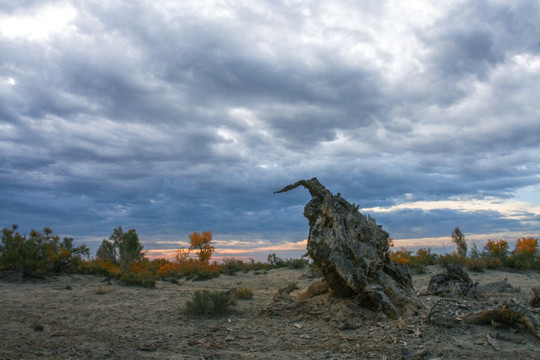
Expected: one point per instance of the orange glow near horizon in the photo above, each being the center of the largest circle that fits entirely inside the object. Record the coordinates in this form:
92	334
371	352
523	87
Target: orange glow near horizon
296	249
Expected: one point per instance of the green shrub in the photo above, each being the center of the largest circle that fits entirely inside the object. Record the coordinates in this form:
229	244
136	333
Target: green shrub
204	302
199	274
493	263
476	264
418	266
297	263
453	258
231	266
523	261
243	293
255	265
138	280
39	252
275	261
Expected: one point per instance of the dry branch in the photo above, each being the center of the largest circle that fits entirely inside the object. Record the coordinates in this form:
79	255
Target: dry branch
509	312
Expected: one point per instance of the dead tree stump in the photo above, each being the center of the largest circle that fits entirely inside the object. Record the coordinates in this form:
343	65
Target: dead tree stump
454	282
352	252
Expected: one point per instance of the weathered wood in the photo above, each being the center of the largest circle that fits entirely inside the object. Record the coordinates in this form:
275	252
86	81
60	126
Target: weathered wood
317	287
284	292
352	252
454	282
535	300
509	312
497	287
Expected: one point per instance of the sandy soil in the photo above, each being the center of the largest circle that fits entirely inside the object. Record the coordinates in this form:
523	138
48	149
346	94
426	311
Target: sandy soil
82	318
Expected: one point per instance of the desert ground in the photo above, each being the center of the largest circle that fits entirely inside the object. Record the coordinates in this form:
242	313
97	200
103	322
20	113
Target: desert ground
81	317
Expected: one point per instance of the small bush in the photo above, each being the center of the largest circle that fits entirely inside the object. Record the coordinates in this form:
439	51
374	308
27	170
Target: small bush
138	280
493	263
523	261
243	293
172	280
297	263
204	302
199	274
476	265
402	256
231	266
100	290
497	249
275	261
450	259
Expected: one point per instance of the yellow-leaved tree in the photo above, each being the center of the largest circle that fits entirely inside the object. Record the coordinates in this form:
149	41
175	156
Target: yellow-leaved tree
201	243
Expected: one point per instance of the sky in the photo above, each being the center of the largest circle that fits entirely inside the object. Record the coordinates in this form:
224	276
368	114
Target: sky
173	117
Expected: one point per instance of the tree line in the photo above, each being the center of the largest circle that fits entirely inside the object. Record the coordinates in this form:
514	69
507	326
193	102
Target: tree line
122	256
494	255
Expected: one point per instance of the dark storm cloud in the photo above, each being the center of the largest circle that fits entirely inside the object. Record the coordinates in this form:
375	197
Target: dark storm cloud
181	117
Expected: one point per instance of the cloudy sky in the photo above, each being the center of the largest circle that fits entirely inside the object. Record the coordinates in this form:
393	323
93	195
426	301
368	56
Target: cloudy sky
179	116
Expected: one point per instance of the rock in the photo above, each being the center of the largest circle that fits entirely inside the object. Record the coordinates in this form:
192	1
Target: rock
37	326
454	282
352	252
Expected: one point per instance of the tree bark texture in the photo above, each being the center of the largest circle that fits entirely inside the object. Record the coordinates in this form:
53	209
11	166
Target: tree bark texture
352	252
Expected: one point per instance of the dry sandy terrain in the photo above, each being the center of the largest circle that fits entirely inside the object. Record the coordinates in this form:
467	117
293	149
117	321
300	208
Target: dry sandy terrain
95	321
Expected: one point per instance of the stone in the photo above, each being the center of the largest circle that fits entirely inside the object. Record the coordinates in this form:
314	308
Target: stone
352	252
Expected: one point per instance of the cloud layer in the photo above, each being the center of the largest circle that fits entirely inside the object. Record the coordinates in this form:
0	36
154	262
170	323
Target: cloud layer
174	117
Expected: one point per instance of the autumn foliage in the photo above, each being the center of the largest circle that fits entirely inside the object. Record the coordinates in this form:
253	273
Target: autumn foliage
496	254
497	249
201	244
526	246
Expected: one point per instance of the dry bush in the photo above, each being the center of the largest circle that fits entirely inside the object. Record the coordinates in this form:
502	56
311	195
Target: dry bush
243	293
143	280
212	303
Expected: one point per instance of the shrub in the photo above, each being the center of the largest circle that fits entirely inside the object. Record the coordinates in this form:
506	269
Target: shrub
198	270
202	275
459	239
452	258
402	256
476	264
525	254
425	256
493	263
275	261
297	263
526	246
123	248
39	252
497	249
231	266
243	293
143	280
204	302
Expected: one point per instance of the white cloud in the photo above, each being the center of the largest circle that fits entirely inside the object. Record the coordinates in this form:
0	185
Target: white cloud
510	209
41	24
